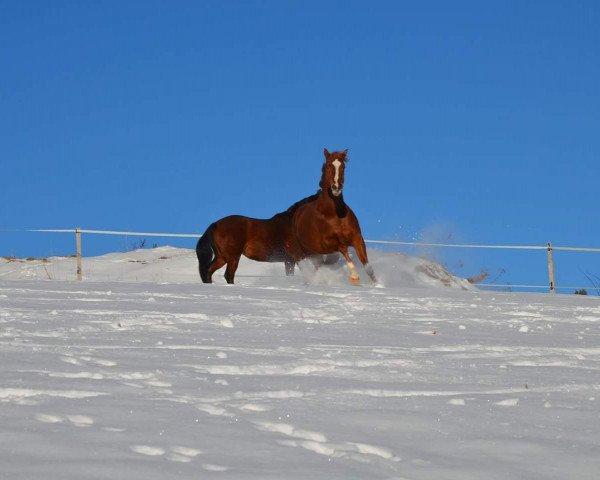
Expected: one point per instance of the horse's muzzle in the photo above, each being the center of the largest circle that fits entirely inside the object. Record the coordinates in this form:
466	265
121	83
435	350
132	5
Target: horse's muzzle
336	192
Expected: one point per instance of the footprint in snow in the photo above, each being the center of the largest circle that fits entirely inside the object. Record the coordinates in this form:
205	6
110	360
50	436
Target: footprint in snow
80	420
211	467
183	454
76	420
45	418
148	450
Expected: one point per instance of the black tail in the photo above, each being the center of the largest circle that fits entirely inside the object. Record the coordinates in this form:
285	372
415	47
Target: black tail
205	251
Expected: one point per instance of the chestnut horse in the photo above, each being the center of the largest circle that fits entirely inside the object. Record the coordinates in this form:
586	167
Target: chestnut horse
327	225
264	240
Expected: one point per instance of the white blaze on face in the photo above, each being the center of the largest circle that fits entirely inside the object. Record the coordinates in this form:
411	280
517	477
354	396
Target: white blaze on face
336	164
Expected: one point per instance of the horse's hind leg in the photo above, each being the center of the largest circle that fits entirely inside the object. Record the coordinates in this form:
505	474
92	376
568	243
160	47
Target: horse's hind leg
231	268
329	260
317	261
217	263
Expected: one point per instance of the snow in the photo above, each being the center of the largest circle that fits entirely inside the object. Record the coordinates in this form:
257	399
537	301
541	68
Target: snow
141	371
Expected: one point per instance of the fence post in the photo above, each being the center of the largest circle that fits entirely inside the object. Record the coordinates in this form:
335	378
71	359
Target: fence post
551	268
78	243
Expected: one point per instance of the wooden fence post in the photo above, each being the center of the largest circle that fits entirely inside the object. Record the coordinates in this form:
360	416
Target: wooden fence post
551	269
78	242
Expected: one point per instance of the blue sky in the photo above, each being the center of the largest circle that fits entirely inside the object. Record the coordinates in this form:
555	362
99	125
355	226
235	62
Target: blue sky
471	122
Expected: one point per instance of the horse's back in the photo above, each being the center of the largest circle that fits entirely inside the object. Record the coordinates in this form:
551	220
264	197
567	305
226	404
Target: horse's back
256	238
268	239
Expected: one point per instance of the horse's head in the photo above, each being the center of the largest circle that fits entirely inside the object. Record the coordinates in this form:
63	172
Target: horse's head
333	172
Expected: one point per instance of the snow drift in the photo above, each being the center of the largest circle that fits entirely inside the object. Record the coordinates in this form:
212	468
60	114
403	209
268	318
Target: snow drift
179	265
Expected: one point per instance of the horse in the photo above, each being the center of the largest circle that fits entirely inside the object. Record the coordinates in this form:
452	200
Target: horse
264	240
327	224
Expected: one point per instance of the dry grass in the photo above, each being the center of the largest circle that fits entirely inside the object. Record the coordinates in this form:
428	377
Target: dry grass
478	278
12	258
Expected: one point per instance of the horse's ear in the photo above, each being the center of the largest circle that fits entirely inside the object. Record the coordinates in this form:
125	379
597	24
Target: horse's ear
326	153
345	152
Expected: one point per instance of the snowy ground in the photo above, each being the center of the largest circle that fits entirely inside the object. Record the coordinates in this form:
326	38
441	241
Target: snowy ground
142	372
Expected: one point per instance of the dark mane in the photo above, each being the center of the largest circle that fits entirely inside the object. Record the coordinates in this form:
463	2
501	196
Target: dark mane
290	211
312	197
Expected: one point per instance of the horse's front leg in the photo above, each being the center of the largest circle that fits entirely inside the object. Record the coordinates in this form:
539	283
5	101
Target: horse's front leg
354	278
361	251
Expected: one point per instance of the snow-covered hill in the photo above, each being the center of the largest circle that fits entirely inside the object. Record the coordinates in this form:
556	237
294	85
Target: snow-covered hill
179	265
142	372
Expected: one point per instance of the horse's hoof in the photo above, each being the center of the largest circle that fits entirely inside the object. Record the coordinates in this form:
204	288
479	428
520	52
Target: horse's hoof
355	281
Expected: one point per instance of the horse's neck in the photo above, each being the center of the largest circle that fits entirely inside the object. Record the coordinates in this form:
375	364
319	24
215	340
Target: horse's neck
332	205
